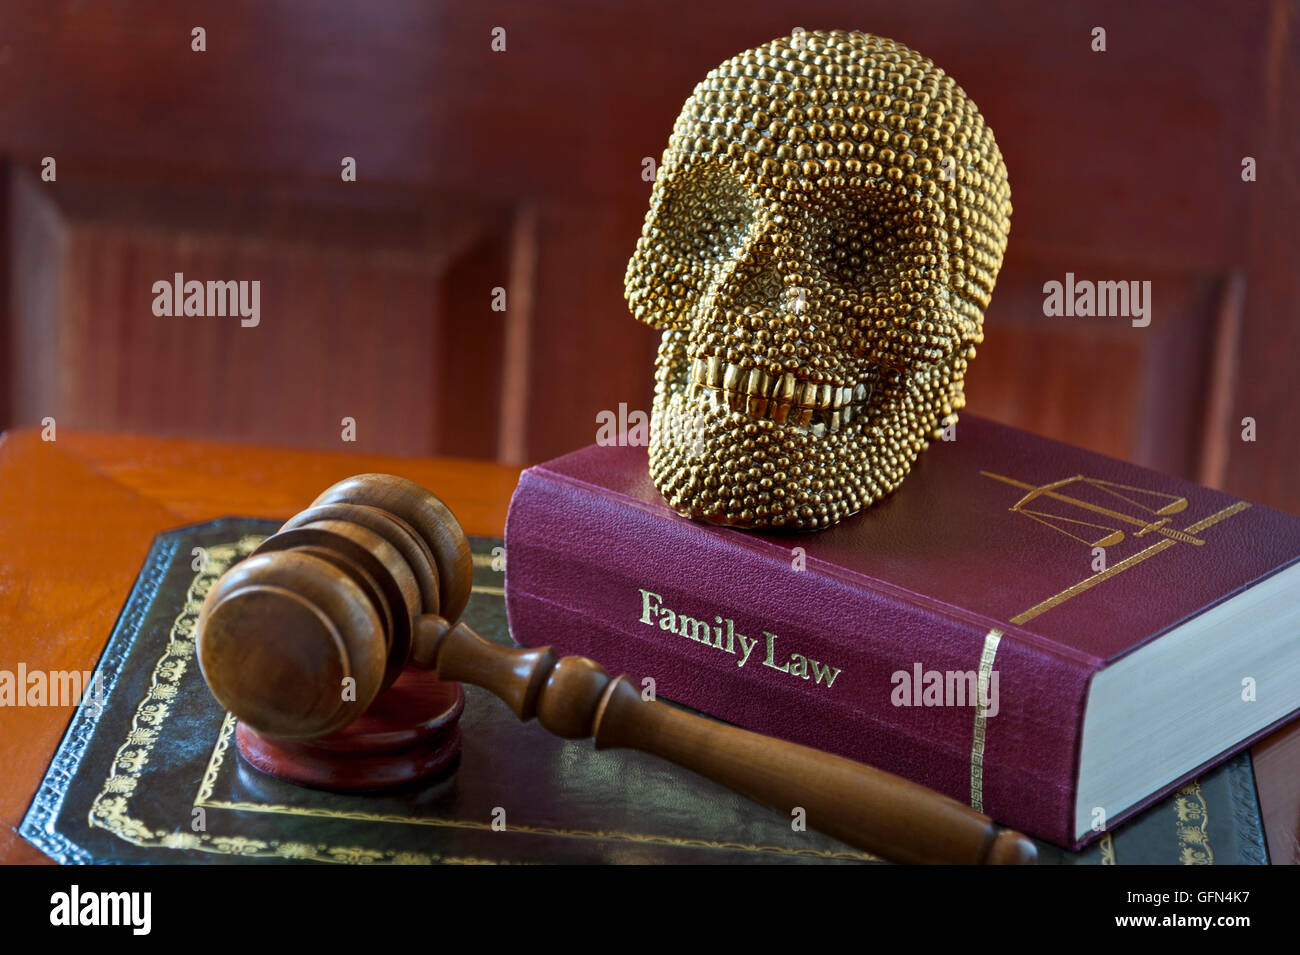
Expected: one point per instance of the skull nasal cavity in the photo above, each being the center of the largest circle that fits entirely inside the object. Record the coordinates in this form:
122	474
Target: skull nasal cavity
753	280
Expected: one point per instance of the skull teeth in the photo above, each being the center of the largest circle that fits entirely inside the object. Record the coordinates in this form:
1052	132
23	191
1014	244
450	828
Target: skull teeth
817	407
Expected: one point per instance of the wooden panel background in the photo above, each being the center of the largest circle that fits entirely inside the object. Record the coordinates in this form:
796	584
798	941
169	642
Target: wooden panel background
522	169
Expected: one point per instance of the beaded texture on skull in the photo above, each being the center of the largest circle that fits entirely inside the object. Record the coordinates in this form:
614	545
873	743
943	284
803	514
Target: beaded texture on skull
824	233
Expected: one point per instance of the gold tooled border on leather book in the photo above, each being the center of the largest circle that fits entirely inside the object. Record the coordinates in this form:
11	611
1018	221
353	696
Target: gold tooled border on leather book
148	773
164	725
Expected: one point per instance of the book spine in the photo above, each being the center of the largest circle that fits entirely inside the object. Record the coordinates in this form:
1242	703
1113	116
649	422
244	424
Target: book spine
758	636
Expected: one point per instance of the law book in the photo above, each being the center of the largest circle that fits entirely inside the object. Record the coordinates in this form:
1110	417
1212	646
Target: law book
136	763
1055	637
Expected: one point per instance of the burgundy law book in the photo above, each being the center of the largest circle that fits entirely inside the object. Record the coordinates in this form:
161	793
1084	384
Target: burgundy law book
1055	637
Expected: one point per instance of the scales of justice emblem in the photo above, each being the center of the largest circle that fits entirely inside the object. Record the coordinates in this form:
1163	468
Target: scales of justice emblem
1149	511
1101	513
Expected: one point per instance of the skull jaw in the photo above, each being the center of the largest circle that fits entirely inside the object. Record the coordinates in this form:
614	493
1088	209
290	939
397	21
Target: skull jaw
722	467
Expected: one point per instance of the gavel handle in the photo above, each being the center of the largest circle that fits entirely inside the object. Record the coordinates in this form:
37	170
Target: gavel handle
865	807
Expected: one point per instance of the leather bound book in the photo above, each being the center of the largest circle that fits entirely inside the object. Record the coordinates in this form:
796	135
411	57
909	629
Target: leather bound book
148	772
1055	637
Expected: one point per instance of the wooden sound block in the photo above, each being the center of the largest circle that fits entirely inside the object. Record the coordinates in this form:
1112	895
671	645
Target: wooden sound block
410	733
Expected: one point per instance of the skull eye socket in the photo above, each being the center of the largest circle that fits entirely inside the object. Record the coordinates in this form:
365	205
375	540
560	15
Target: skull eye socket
705	214
860	240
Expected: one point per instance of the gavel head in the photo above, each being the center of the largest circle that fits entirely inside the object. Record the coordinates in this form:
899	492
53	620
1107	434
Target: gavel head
298	639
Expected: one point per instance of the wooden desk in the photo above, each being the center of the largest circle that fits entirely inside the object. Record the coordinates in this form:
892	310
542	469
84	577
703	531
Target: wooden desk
77	517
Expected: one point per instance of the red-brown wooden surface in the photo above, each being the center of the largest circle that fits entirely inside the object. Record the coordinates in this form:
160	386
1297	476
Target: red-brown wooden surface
77	517
522	170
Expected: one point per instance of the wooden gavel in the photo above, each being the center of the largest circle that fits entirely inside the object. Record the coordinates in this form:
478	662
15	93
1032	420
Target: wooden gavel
376	573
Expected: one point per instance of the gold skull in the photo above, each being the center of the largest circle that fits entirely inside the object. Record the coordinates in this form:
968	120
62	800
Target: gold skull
824	233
